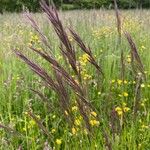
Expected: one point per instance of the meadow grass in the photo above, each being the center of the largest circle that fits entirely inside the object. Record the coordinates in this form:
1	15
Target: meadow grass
112	97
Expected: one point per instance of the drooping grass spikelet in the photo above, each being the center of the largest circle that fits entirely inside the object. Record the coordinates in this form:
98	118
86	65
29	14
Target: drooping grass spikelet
87	50
136	60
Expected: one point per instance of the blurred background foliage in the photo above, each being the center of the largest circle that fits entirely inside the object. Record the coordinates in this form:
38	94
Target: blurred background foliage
33	5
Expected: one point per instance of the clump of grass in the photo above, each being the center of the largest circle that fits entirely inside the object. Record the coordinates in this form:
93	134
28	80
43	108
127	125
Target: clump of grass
137	65
76	110
60	78
138	72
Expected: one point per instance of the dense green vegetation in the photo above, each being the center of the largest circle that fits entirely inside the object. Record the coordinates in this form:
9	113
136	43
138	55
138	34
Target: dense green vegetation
121	103
33	5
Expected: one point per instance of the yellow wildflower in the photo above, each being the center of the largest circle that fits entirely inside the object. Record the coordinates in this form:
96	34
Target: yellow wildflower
94	113
84	59
77	122
32	123
134	82
94	122
143	47
125	94
70	38
119	82
74	131
53	130
125	82
142	85
126	109
74	108
58	141
38	116
144	126
113	81
119	111
129	60
26	113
